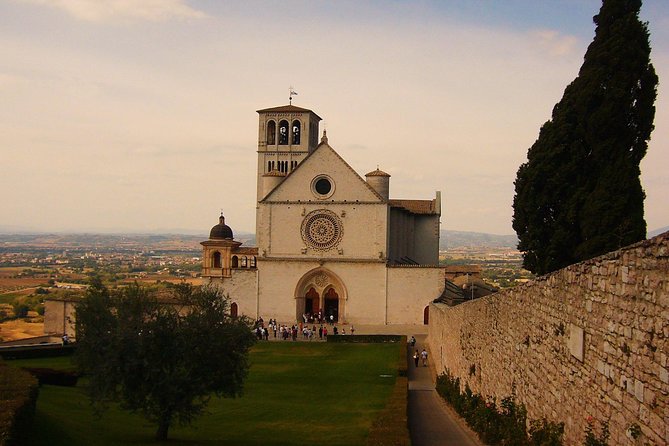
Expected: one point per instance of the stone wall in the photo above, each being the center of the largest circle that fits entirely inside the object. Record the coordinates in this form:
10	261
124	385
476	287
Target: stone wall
59	317
587	342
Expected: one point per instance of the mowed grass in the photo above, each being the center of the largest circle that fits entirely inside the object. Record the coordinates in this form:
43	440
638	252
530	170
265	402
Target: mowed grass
301	393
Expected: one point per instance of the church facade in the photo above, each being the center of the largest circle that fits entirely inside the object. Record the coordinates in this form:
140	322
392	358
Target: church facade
328	241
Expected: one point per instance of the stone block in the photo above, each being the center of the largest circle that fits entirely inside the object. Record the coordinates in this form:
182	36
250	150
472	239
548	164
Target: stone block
638	390
630	386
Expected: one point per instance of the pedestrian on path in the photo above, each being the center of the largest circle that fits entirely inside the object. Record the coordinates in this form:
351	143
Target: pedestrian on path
415	358
423	355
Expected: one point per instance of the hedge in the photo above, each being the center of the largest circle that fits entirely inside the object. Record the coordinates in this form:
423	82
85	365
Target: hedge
366	339
18	397
37	351
66	378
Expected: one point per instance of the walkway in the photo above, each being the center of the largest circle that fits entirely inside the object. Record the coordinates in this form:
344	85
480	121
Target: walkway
431	421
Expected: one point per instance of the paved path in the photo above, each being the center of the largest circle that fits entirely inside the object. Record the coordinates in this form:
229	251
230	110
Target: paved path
431	421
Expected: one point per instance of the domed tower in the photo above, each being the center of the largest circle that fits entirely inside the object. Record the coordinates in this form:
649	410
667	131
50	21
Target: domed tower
217	251
380	182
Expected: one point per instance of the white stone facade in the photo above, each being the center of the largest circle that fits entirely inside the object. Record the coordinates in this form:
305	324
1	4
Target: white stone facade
327	240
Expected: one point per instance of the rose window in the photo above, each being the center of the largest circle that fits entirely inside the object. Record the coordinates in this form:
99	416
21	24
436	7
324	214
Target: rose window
321	230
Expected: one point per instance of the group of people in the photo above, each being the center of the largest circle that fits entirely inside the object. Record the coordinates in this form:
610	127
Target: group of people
418	356
285	332
318	318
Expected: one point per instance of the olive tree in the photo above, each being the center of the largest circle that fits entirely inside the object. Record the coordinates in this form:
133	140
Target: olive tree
164	360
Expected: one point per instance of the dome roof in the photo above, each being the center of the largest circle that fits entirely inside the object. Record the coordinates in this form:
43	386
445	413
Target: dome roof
377	173
221	230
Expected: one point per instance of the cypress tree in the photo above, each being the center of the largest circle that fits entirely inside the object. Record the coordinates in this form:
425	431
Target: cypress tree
579	194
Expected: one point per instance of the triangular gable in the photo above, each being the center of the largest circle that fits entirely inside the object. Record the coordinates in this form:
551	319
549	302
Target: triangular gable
324	160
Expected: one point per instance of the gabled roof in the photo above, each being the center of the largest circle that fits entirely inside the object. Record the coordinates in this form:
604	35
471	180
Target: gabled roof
323	145
420	207
288	109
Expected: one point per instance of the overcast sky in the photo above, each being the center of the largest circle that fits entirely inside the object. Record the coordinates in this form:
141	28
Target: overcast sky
139	116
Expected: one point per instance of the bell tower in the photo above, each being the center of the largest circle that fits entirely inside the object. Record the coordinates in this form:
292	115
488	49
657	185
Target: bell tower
286	135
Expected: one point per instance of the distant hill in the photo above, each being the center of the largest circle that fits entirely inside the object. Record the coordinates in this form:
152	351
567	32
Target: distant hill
657	231
461	239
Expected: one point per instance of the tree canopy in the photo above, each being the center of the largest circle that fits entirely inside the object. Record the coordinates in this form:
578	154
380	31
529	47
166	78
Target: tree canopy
579	194
164	360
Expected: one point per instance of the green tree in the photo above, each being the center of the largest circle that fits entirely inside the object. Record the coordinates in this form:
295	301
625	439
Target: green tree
163	360
579	194
20	309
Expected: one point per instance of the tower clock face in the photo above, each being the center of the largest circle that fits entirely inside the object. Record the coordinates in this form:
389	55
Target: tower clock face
322	230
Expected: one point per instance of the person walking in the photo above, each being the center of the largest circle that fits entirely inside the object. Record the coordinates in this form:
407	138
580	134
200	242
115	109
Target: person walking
415	358
423	355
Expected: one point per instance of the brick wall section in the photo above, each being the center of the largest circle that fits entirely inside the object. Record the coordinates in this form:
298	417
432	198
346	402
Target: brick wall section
589	340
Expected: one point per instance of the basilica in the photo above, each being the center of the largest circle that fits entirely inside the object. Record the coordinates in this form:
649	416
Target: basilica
328	241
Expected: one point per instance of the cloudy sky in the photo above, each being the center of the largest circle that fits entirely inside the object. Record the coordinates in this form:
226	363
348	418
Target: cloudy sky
127	115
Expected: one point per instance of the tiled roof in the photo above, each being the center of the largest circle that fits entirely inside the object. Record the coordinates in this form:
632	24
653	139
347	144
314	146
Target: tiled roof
253	251
377	173
463	269
423	207
287	109
274	173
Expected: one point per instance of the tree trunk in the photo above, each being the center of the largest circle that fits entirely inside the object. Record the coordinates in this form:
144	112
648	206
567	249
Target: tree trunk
163	427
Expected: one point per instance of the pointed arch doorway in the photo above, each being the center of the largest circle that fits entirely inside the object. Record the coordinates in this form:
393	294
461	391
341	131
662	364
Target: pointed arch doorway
331	304
320	291
312	301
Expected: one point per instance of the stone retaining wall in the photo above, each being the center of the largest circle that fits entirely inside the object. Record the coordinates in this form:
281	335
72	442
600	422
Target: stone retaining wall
590	340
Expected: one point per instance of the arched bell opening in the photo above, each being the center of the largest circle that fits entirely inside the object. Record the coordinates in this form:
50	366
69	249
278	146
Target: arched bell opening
297	126
284	129
216	259
271	133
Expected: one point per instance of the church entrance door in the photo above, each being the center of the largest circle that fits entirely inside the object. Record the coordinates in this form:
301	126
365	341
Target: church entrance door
311	301
331	304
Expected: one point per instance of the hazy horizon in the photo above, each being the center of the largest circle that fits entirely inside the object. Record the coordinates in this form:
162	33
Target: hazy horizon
136	117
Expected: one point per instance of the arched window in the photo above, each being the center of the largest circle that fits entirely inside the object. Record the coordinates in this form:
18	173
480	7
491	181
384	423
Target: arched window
297	126
235	262
253	262
283	132
244	262
217	259
234	310
271	132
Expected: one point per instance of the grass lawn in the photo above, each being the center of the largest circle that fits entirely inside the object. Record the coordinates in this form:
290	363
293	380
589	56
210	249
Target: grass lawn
301	393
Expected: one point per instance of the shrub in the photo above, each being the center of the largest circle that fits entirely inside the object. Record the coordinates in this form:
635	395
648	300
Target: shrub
20	309
546	433
18	397
495	425
53	377
591	438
